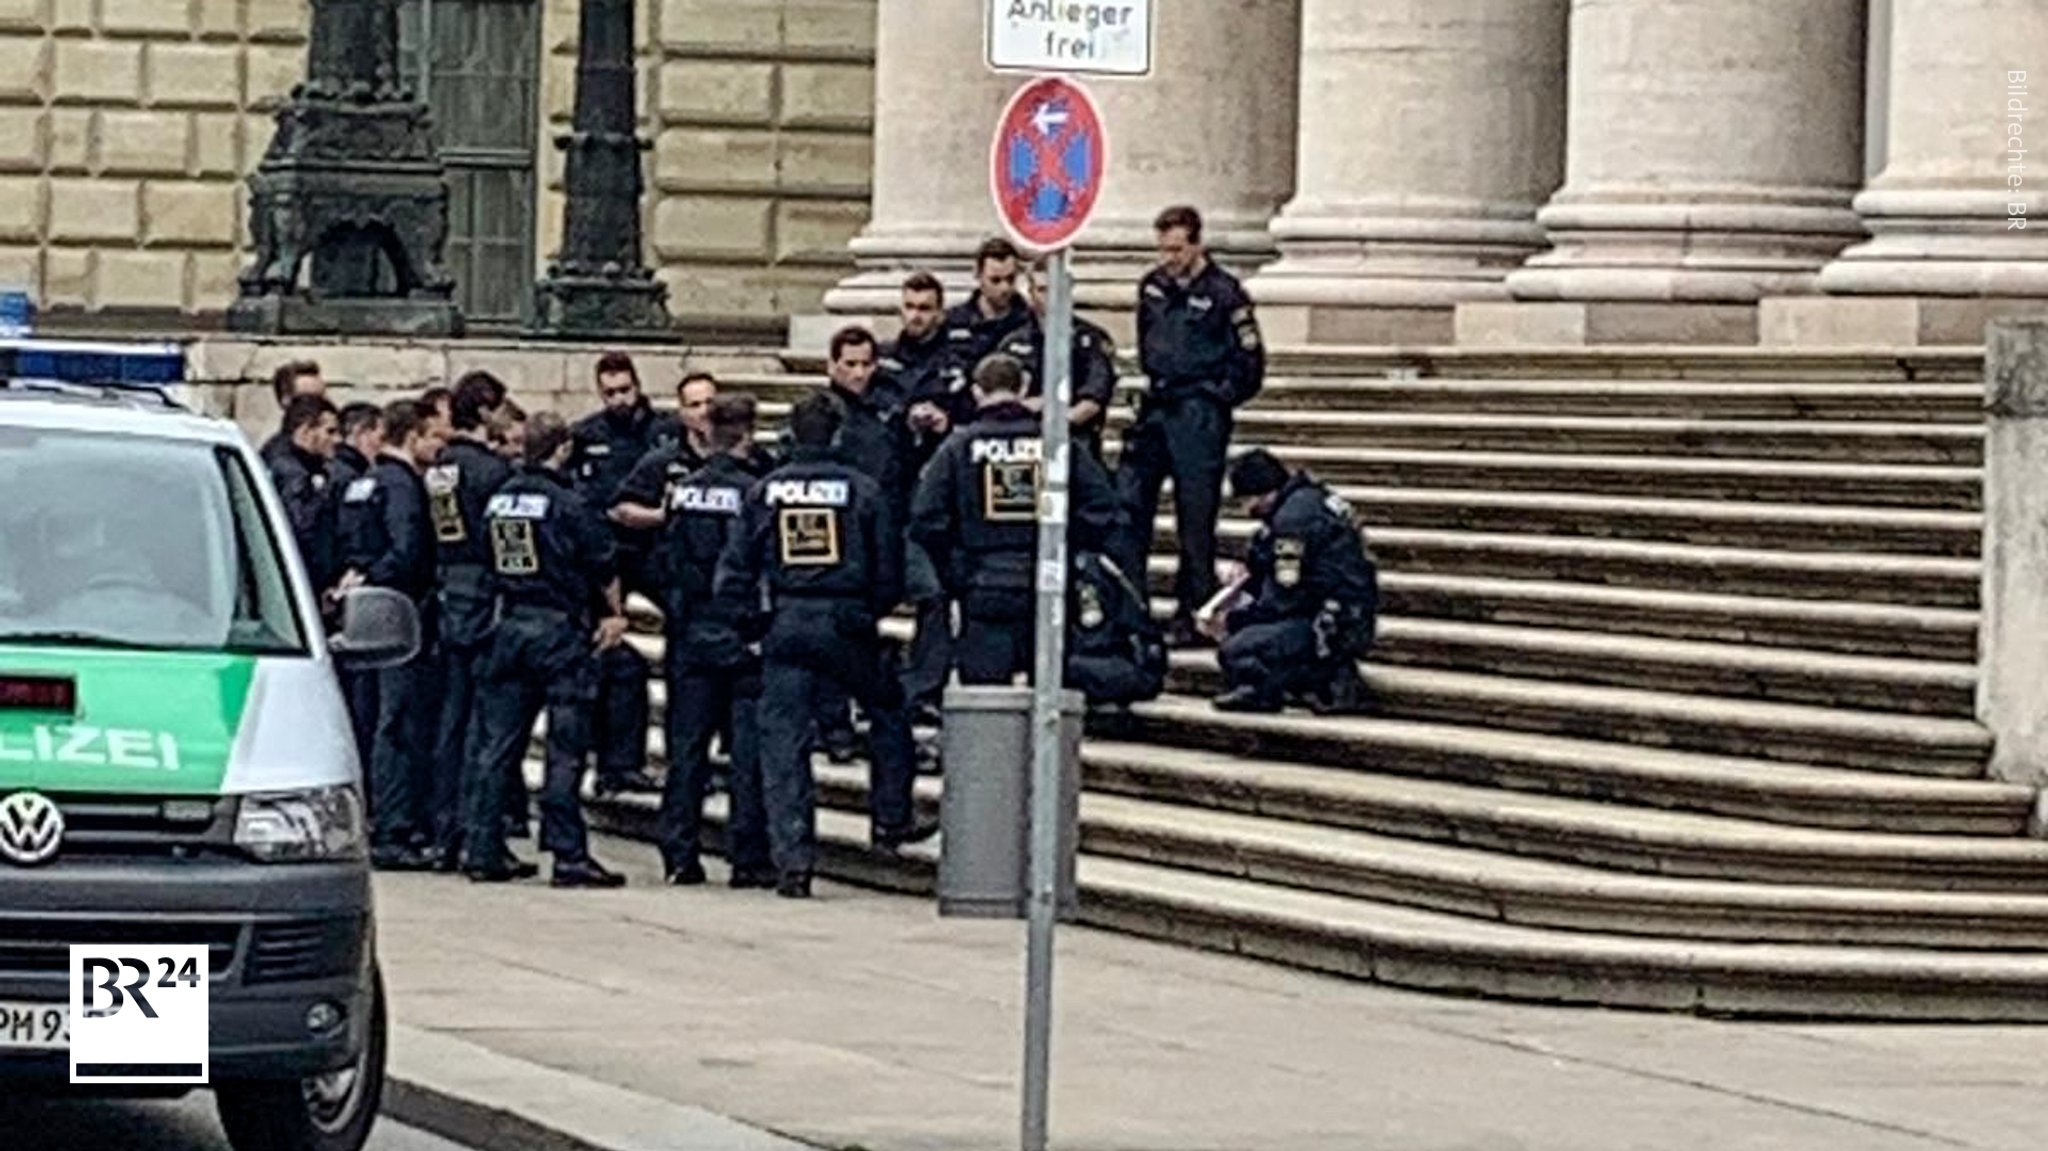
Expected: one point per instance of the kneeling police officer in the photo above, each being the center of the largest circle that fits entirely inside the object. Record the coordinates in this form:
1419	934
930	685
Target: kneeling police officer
555	569
1314	596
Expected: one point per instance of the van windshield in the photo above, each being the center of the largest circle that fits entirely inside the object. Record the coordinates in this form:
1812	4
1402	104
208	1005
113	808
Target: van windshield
134	542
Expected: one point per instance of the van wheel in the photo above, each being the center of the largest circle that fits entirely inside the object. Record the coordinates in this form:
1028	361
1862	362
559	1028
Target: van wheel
331	1112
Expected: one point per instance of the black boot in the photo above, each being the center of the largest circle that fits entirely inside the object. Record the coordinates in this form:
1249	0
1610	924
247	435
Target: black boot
1246	699
1345	694
584	873
794	885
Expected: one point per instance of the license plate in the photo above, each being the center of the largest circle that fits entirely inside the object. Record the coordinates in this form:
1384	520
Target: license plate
34	1026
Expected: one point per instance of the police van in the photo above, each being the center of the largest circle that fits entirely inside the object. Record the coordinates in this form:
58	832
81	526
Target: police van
176	763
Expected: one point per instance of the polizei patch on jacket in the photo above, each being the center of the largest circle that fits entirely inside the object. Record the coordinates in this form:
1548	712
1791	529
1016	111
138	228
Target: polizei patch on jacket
809	493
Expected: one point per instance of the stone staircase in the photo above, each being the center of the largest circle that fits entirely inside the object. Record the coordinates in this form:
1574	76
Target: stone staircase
1675	684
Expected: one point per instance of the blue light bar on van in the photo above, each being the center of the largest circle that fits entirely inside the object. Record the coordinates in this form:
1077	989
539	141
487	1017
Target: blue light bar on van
141	364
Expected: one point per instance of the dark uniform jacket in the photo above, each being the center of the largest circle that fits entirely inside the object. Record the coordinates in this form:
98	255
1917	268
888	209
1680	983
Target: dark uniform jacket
704	511
650	483
815	528
874	439
1117	651
1199	339
976	511
549	549
459	485
608	446
386	532
1308	559
925	371
303	483
971	335
1093	367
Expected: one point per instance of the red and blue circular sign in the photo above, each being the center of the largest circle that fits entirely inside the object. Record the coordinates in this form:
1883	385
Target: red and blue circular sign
1046	167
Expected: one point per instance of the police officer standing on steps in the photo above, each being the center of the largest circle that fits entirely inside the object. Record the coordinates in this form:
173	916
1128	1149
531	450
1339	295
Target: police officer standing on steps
1314	596
817	544
458	486
975	327
641	503
714	680
554	570
1199	346
608	445
921	375
976	514
1092	361
311	429
388	541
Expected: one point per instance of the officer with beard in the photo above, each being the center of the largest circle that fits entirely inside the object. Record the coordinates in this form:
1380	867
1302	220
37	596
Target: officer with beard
459	484
608	445
714	680
975	327
554	572
976	514
920	373
817	546
1313	592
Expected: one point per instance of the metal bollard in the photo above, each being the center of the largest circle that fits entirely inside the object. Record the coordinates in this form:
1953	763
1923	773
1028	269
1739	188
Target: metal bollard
985	813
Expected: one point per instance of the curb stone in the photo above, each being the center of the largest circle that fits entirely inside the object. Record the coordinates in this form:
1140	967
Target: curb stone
480	1098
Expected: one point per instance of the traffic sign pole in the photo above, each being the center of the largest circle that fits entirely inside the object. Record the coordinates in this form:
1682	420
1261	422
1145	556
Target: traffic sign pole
1047	722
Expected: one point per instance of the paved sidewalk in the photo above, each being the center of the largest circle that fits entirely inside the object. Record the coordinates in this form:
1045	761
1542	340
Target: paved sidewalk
863	1020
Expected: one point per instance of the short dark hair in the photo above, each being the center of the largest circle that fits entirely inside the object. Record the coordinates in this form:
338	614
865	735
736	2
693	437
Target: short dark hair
402	418
284	382
434	399
359	417
925	282
301	411
476	394
732	422
851	336
545	435
612	362
993	248
1181	216
999	374
1256	473
692	376
815	421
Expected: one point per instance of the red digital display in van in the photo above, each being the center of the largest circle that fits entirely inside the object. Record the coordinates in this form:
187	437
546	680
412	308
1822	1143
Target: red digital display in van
37	693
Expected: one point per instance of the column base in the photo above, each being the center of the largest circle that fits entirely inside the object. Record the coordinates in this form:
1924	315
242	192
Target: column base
1522	324
1296	324
1883	322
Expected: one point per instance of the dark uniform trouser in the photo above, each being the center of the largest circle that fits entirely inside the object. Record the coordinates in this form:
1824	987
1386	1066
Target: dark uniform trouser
1186	438
1107	679
700	702
622	711
993	651
465	642
399	743
812	646
931	646
539	658
359	692
1276	658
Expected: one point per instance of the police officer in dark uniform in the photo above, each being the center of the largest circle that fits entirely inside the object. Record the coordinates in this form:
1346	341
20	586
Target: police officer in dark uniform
554	567
1091	366
1198	343
300	472
608	445
976	326
458	486
362	440
1116	652
641	502
976	515
387	537
714	680
817	546
920	374
287	383
1314	596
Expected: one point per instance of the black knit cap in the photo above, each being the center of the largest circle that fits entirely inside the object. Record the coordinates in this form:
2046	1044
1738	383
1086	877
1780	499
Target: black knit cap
1257	473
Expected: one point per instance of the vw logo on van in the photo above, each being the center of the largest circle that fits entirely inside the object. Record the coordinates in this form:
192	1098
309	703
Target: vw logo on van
31	827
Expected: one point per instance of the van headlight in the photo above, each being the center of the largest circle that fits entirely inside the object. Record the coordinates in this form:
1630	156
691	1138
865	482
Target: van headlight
315	825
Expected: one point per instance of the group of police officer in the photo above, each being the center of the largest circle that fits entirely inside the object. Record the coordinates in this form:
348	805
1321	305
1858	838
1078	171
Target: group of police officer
912	478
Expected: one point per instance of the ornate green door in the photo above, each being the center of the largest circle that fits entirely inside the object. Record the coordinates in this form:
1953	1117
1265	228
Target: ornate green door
477	64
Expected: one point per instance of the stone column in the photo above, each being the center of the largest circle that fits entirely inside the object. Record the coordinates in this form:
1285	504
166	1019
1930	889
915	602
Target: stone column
1213	126
1956	211
1713	149
2012	687
935	112
1431	131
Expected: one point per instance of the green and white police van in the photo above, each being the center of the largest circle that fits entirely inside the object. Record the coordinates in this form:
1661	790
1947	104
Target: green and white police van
176	763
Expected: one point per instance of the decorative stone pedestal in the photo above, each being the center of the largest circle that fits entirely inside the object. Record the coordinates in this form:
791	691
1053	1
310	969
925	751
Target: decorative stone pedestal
1509	325
1885	321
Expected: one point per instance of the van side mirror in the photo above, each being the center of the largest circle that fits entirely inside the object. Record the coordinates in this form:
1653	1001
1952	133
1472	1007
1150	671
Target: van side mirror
380	628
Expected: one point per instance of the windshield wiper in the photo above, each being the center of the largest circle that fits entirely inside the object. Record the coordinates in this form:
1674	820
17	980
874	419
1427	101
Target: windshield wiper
71	639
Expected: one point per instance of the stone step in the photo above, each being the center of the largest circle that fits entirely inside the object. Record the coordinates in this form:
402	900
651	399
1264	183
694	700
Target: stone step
1596	833
1817	625
1792	733
1709	523
1599	764
1542	893
1875	683
1867	442
1436	951
1766	481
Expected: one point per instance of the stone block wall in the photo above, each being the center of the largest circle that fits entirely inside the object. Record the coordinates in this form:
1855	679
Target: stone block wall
761	115
126	129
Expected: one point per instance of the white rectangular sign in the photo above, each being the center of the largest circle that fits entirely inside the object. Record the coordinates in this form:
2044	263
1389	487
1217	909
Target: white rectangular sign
1082	37
139	1014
